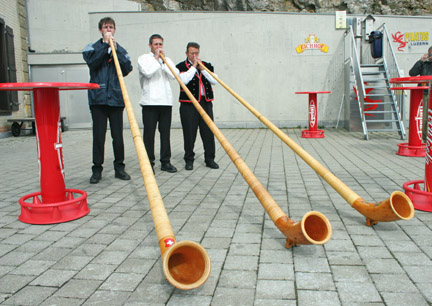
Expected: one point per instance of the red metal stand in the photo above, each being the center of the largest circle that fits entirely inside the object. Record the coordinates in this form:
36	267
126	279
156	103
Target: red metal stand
414	147
313	131
54	203
421	197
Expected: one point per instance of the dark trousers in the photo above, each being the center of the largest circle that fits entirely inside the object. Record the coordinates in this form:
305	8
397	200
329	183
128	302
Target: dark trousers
151	116
191	120
100	115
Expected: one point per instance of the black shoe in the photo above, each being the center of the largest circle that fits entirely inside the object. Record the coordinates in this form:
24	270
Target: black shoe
168	168
121	174
95	178
189	166
212	164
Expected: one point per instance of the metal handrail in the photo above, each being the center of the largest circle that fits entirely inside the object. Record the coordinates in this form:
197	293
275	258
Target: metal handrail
358	78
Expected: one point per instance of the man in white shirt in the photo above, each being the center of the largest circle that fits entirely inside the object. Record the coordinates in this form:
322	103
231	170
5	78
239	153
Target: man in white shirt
156	101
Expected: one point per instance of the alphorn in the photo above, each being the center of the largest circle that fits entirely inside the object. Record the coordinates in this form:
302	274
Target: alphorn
186	264
314	228
397	206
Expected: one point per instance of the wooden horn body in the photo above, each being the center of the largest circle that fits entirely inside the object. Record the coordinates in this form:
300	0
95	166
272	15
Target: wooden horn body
314	227
186	264
397	206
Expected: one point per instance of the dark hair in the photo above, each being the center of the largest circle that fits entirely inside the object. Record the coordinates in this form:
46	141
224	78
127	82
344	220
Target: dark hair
106	20
153	37
193	45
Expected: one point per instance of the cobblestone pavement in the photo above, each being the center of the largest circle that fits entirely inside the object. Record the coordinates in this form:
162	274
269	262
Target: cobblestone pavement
111	256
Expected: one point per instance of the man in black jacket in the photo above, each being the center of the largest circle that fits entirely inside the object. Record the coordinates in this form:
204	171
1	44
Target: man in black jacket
107	102
199	82
423	67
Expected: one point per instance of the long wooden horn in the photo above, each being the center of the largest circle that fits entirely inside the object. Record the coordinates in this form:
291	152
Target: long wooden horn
314	228
186	264
397	206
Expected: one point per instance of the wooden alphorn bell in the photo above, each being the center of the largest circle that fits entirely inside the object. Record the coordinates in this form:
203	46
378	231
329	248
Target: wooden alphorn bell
314	228
186	264
397	206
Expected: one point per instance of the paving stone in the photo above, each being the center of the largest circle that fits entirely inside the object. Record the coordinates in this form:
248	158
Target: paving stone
179	300
53	278
232	297
276	271
360	292
107	297
314	281
275	289
306	297
30	295
12	283
122	281
237	279
96	271
77	288
399	299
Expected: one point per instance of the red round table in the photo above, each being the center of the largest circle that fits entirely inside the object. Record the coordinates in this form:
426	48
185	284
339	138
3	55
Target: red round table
313	131
54	203
421	197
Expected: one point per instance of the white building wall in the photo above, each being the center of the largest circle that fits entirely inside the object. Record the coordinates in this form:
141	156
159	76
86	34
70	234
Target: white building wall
254	53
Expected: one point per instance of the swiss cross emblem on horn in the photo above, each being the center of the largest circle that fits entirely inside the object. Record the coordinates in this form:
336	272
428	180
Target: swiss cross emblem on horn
169	242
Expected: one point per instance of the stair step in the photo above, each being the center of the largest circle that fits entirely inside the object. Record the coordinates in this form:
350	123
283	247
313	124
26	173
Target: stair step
378	112
371	65
383	130
377	87
372	72
379	95
382	120
381	103
374	79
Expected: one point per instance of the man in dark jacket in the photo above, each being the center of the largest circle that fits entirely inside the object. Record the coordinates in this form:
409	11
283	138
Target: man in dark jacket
199	82
107	102
423	67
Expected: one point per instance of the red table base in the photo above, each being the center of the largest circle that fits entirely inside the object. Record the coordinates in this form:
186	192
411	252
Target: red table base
38	213
313	134
54	203
414	151
313	131
414	147
422	200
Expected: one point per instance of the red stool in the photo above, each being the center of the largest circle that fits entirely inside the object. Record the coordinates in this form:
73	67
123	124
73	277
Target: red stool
54	203
313	131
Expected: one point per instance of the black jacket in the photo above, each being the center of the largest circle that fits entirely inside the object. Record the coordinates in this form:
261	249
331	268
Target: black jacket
103	72
421	68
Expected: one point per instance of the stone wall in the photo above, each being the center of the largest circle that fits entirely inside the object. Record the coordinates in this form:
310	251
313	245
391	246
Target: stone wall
14	14
380	7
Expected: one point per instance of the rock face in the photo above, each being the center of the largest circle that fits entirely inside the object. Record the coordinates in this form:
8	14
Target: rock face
377	7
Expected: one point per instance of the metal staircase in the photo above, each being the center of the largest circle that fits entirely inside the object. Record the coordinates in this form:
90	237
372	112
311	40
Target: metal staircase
381	112
379	107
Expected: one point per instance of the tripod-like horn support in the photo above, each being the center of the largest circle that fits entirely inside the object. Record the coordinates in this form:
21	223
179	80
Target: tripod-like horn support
186	264
314	228
397	206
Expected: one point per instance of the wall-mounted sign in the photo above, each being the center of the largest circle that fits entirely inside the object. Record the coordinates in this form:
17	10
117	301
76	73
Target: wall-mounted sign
410	39
340	19
312	43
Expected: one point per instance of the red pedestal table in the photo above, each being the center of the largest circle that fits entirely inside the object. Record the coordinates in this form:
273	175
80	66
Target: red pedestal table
420	196
414	146
313	131
54	203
